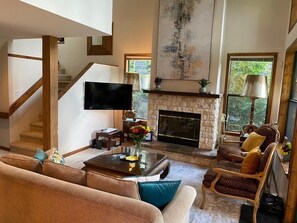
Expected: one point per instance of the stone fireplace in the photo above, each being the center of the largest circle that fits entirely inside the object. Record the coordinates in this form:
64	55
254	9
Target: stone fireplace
205	105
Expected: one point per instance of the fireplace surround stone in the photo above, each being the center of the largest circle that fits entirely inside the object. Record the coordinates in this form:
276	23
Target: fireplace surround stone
207	105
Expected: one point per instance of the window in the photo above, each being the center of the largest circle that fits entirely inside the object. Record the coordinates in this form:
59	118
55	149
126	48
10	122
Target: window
237	107
139	64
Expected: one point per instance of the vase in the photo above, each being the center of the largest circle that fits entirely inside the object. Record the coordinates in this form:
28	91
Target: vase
158	87
138	148
286	158
202	90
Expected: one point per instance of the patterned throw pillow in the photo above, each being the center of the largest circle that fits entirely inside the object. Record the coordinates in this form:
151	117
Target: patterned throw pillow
254	140
55	156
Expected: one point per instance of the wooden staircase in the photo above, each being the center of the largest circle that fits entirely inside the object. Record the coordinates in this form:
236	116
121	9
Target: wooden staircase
29	140
63	79
33	138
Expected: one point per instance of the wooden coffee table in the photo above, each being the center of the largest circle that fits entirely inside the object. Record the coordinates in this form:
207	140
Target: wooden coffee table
148	164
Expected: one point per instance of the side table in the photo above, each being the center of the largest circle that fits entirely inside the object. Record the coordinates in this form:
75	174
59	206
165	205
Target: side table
111	135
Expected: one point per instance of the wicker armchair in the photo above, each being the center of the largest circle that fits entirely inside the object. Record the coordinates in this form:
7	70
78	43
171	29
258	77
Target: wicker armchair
226	179
232	152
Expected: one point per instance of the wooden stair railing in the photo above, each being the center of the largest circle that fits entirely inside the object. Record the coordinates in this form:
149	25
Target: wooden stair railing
22	99
75	80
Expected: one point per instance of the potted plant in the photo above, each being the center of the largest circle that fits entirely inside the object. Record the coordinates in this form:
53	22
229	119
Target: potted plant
158	81
203	83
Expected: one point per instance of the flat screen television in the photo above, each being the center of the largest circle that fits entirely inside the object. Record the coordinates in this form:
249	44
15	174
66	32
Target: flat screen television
107	96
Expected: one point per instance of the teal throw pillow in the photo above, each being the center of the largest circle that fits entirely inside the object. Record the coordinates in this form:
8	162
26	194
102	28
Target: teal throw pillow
158	193
40	155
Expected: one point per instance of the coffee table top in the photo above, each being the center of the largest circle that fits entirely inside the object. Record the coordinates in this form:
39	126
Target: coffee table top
112	162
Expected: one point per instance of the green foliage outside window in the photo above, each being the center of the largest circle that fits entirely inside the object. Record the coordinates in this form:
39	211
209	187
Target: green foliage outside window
140	99
239	107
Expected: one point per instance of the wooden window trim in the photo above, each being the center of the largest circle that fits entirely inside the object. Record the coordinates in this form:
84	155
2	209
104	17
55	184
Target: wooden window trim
136	56
271	92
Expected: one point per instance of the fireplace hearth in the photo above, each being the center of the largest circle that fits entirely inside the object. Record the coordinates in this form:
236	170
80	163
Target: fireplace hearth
179	127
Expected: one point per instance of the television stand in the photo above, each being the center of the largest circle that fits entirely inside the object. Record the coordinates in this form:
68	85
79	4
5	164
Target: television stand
111	135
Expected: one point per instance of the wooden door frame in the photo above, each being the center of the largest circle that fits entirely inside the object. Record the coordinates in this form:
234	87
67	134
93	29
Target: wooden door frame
290	206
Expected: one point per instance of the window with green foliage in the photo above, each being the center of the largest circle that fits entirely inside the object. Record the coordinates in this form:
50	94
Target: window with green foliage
238	107
141	64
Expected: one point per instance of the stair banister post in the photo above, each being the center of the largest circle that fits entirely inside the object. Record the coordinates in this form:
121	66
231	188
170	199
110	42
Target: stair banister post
50	91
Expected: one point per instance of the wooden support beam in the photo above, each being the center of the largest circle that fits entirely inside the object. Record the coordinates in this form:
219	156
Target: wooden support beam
291	203
50	91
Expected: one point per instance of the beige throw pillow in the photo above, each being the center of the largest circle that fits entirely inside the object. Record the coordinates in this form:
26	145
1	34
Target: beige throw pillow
112	185
65	173
23	162
254	140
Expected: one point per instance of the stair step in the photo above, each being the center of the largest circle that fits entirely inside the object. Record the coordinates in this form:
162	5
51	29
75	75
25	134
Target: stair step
32	136
64	77
25	147
36	126
63	84
41	117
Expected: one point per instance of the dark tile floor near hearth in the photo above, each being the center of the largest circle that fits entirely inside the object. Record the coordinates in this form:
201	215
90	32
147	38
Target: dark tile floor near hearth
181	149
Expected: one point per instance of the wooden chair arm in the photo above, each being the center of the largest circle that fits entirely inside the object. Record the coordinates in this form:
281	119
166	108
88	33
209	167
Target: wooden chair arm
257	176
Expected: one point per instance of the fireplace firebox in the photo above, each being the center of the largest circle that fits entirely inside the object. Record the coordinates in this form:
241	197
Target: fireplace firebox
179	127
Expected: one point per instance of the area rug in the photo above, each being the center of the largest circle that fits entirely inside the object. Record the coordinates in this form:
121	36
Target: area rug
246	216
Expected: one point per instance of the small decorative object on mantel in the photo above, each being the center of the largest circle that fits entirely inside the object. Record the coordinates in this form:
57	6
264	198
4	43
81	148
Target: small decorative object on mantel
203	83
158	81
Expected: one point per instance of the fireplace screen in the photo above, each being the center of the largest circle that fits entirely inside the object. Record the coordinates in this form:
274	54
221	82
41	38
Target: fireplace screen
179	127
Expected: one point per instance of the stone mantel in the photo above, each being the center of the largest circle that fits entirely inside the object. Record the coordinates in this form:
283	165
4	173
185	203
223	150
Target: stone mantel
190	94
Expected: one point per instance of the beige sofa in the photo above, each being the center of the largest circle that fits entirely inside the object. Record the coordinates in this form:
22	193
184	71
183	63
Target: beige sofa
27	196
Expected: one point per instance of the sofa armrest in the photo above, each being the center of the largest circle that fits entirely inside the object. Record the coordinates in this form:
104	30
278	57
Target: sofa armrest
177	211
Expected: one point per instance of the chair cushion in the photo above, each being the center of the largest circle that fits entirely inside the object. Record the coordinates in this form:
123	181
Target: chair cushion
65	173
23	162
271	135
251	161
158	193
112	185
254	140
226	149
265	157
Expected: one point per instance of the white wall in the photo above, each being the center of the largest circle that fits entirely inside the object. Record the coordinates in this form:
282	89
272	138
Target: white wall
93	13
77	127
132	33
4	97
23	73
257	26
